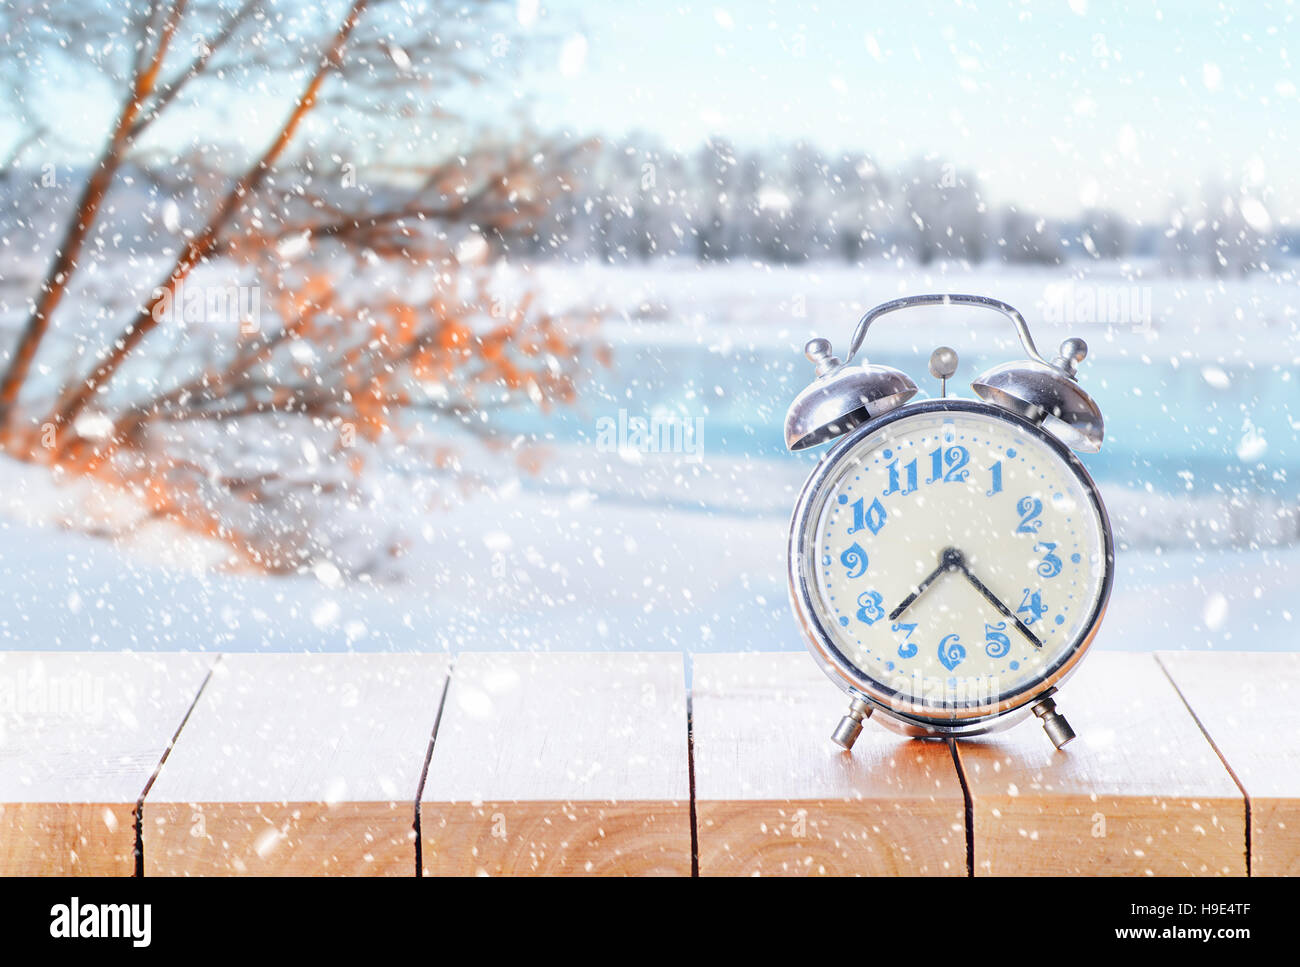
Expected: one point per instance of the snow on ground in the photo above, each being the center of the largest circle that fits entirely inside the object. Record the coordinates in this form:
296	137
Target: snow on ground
533	570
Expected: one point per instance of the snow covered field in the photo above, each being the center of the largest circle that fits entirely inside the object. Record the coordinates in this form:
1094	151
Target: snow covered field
603	549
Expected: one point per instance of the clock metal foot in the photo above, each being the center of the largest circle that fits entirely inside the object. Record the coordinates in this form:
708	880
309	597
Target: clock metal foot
1054	723
850	727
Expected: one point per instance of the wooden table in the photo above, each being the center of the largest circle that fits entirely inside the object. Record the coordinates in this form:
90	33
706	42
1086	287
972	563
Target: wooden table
179	764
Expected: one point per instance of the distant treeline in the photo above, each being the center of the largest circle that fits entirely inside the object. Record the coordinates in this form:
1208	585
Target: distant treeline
636	200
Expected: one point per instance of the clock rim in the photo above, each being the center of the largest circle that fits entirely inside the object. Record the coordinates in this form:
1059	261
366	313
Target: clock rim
821	644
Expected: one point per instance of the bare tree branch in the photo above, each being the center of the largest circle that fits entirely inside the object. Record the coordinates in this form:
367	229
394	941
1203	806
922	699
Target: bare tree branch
205	241
92	197
168	92
262	441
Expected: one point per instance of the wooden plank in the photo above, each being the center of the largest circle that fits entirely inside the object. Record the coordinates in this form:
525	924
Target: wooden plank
81	734
774	795
1248	703
1139	792
560	763
297	765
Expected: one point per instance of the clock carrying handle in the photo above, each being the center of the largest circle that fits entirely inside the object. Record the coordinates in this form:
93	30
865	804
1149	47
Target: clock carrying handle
943	299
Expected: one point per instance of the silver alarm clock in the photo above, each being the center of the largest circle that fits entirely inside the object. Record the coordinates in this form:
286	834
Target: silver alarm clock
950	559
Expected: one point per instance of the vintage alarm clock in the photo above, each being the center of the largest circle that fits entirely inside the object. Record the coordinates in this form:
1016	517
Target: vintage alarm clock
949	559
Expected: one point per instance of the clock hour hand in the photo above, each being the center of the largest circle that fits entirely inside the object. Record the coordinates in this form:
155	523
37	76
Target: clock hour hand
950	560
994	600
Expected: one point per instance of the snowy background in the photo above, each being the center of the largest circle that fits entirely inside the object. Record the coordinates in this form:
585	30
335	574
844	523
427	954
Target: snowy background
710	251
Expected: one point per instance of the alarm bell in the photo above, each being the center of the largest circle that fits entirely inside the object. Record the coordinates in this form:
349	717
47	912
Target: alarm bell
844	395
841	397
1047	394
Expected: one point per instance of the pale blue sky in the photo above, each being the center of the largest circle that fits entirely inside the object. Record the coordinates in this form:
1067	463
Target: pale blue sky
1057	105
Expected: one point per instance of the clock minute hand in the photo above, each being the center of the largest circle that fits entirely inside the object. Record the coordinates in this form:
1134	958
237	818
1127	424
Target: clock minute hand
994	600
949	560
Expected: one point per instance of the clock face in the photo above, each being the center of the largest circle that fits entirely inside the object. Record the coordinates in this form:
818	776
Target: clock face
955	558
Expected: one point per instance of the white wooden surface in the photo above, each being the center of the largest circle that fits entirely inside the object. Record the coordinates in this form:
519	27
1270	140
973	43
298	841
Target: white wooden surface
560	763
1139	792
80	736
1248	703
579	764
297	764
775	796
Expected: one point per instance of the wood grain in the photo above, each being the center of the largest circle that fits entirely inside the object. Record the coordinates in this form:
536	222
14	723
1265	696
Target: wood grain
775	796
558	764
551	763
1139	792
81	734
297	765
1248	703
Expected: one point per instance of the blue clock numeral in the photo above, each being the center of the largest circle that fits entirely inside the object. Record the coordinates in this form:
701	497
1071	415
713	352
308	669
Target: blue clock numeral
997	480
908	648
955	458
872	518
951	652
1050	565
996	642
1029	509
855	559
1032	605
894	488
870	607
